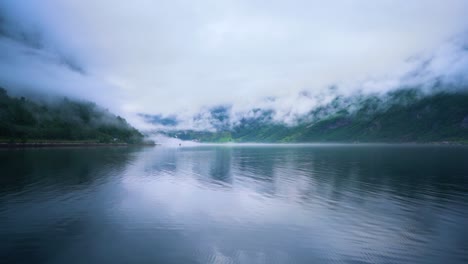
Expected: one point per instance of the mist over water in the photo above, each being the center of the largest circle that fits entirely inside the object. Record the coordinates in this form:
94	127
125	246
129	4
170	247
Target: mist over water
235	204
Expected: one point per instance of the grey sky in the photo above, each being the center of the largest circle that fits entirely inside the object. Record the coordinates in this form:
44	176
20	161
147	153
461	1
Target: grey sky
173	56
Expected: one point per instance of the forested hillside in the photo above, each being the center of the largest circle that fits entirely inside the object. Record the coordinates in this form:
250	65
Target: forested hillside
405	115
25	120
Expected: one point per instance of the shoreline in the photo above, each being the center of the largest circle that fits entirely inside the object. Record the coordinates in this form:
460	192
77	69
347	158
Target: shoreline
434	143
65	144
18	145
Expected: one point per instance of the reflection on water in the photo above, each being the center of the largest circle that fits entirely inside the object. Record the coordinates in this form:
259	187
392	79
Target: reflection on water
235	204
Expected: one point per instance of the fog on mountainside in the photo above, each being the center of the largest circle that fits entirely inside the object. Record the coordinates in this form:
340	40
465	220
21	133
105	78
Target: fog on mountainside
427	102
245	68
178	60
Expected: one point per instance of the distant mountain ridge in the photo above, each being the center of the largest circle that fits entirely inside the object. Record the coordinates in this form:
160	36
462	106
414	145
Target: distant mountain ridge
404	115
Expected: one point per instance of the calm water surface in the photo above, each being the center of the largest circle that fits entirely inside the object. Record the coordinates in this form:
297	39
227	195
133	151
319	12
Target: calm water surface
235	204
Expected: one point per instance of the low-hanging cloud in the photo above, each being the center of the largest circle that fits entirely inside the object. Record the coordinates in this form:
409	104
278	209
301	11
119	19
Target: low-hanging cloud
177	57
443	70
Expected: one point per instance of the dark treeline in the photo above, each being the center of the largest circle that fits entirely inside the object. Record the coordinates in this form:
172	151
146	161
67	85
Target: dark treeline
24	120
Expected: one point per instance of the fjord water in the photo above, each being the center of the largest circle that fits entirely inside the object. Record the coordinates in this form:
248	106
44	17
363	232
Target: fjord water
235	204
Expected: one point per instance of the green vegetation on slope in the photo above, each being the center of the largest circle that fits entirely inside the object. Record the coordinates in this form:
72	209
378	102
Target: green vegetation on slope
23	120
403	116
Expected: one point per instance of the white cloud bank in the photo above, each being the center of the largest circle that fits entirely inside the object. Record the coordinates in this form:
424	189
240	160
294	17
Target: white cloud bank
178	56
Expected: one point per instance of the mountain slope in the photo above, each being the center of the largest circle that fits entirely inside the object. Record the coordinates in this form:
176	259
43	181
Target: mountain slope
25	120
405	115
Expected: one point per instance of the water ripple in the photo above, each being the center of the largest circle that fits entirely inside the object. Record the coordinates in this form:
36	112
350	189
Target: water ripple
236	204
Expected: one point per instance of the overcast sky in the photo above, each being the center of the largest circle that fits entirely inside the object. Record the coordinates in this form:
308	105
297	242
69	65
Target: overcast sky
169	56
